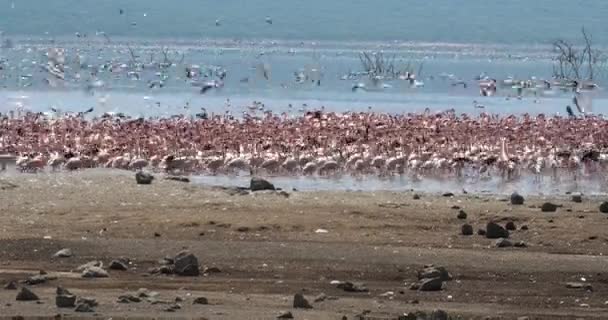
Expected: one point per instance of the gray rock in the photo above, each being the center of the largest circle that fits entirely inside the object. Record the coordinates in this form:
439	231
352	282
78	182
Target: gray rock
320	298
416	197
259	184
461	215
448	194
520	244
143	178
510	226
439	315
95	272
579	285
11	285
200	300
549	207
118	265
87	300
517	199
432	272
285	315
84	307
495	231
63	253
299	302
62	291
65	301
172	308
431	285
352	287
186	264
26	294
604	207
209	270
481	232
128	298
37	279
466	229
577	198
503	243
178	178
89	264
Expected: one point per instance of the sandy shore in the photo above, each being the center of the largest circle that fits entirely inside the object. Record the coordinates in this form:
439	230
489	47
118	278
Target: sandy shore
269	247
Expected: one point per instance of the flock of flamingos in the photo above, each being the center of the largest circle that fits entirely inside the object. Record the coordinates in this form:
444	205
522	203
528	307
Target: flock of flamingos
318	143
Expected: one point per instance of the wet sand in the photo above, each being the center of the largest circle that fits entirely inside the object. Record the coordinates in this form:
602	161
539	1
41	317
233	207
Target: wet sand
268	248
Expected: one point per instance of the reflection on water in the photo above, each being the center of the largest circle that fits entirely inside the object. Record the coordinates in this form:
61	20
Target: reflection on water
526	185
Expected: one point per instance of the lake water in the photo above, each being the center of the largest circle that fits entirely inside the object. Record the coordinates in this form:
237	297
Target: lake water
462	39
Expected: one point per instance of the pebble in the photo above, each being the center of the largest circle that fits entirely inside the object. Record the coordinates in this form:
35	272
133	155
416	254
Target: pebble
26	294
200	300
143	178
432	272
431	285
461	215
520	244
579	285
495	231
604	207
300	302
84	307
466	229
352	287
416	197
186	264
320	298
285	315
11	285
448	194
517	199
549	207
118	265
510	226
95	272
65	301
577	198
503	243
63	253
259	184
481	232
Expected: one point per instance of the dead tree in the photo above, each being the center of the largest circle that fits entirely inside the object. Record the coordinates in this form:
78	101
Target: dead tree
574	62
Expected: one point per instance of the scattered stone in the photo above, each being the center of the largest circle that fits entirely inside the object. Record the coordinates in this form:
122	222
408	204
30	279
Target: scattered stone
481	232
178	178
11	285
577	198
579	285
524	227
173	308
62	291
210	270
65	301
95	272
37	279
503	243
517	199
128	298
352	287
495	231
510	226
299	302
285	315
432	272
26	294
549	207
143	178
242	229
439	315
431	285
466	229
89	264
448	194
259	184
186	264
455	207
520	244
118	265
461	215
157	235
320	298
200	300
416	197
604	207
88	301
84	307
63	253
